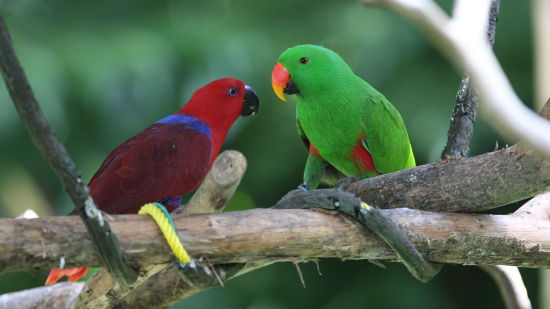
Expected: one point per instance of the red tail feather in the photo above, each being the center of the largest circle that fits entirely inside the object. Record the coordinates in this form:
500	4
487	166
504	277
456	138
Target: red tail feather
72	273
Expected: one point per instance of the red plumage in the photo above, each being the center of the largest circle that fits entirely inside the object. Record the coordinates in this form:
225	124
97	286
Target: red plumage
363	159
161	161
169	158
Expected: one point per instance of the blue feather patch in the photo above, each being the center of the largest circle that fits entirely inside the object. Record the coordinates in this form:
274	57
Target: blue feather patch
189	122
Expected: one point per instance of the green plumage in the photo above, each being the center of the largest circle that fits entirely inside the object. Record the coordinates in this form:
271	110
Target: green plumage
341	115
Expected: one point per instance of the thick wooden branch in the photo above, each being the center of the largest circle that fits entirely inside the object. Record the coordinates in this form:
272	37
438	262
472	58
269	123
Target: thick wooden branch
271	234
491	180
57	156
467	185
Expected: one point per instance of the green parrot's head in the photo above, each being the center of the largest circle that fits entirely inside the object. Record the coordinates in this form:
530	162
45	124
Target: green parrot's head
306	68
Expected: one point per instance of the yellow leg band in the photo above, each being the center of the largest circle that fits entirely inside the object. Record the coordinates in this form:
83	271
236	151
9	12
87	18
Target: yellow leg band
164	221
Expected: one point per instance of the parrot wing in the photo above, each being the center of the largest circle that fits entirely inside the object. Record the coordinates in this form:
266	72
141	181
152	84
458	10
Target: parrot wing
162	161
385	137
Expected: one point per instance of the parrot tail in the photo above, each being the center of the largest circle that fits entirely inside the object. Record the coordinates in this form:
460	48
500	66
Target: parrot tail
72	273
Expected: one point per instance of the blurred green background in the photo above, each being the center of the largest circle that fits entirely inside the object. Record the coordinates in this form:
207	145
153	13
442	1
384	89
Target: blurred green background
103	70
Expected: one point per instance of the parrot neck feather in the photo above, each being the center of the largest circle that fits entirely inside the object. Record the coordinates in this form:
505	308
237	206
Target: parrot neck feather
218	123
190	122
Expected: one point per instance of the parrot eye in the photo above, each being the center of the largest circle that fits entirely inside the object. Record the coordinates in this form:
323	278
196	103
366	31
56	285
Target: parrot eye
232	91
304	60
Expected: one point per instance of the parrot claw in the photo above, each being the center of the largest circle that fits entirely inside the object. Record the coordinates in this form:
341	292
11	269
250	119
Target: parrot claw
304	187
196	275
200	276
373	218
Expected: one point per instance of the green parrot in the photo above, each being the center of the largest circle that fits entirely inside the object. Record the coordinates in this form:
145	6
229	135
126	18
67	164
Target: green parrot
341	118
350	127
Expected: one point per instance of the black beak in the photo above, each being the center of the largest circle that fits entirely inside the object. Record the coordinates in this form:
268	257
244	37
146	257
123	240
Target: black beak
251	102
290	88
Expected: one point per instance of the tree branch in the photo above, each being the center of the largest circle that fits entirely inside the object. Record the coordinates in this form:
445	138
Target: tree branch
57	156
508	278
268	235
279	235
57	296
472	184
473	178
464	113
510	284
470	52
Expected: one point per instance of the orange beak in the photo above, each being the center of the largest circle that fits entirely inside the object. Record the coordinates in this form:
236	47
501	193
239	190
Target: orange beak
279	79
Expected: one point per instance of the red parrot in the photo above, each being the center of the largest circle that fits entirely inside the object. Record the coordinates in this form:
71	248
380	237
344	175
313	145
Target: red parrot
170	158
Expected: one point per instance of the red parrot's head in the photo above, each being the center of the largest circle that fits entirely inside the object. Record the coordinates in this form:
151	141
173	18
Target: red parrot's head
221	102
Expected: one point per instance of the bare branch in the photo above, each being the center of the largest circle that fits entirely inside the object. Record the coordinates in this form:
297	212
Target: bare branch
538	206
271	234
541	61
57	156
500	178
219	185
510	285
471	53
508	278
268	235
464	113
467	185
59	296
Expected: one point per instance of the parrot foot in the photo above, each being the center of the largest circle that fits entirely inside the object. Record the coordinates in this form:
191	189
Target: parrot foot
375	219
196	274
344	182
372	218
304	187
200	276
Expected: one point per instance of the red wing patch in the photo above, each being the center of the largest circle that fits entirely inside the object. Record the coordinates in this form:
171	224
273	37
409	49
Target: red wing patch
313	150
362	158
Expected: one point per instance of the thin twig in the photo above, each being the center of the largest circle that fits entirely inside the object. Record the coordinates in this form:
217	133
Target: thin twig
464	114
55	153
510	284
